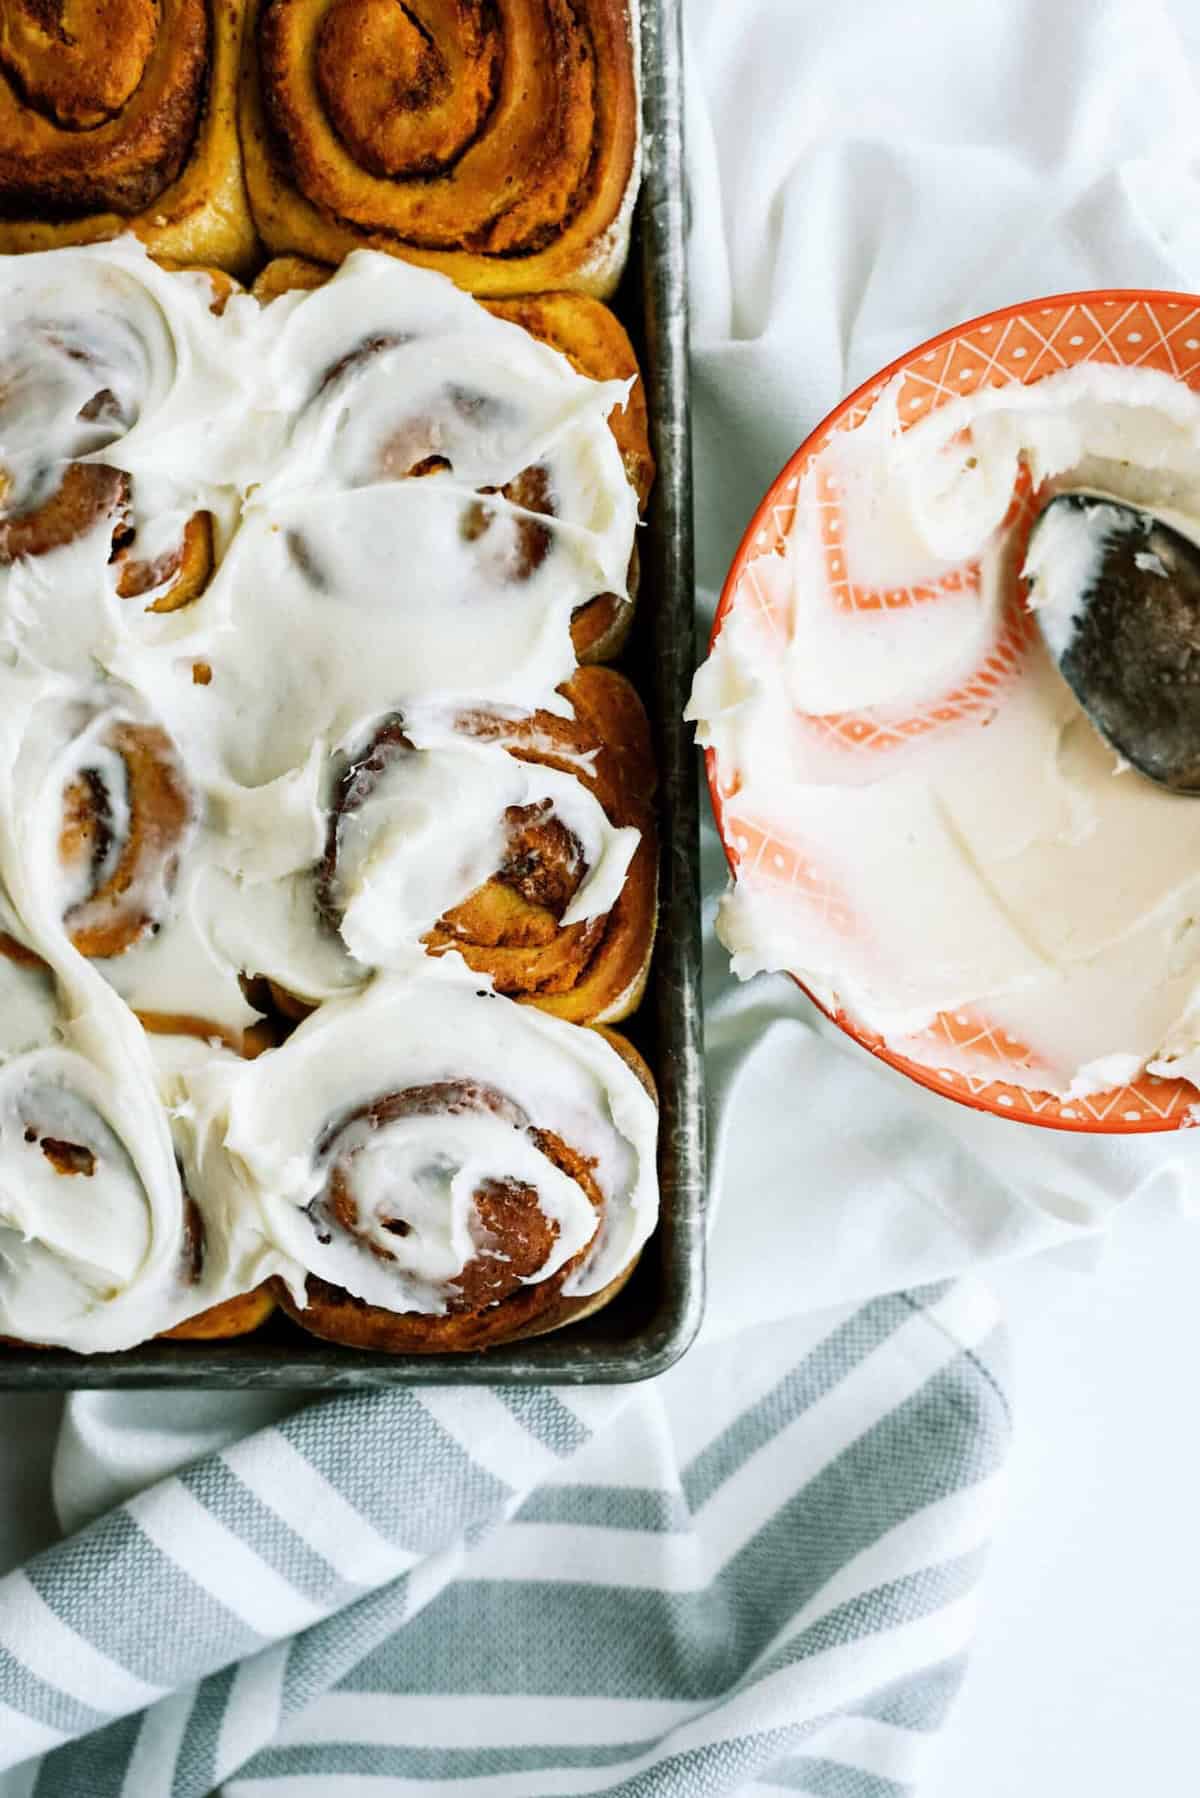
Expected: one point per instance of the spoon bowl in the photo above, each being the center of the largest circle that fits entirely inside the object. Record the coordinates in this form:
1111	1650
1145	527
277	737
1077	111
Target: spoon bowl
1116	591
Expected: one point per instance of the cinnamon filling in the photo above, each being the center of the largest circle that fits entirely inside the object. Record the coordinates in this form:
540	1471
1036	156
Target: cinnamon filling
544	860
531	490
88	493
514	1237
183	571
122	878
359	780
67	1157
194	1237
370	346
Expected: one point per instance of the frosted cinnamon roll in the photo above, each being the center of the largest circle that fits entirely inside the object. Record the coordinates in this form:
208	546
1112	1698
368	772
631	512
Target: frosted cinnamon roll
525	844
182	1047
113	852
122	436
447	1171
449	496
497	143
597	346
121	115
104	1239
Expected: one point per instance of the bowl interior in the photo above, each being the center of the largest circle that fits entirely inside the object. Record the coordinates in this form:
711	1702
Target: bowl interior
983	1067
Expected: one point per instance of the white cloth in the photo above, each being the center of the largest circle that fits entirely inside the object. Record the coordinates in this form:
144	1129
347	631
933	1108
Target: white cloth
860	177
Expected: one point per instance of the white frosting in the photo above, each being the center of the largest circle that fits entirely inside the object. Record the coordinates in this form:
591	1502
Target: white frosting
431	832
416	1030
1003	861
346	589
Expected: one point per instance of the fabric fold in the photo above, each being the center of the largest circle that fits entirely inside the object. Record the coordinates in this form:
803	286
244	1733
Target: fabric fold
765	1559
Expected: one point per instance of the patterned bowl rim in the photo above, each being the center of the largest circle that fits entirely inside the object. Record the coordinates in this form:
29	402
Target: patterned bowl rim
746	550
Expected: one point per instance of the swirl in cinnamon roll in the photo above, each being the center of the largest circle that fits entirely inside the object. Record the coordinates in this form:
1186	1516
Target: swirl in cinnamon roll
447	1170
103	1241
120	114
127	811
497	143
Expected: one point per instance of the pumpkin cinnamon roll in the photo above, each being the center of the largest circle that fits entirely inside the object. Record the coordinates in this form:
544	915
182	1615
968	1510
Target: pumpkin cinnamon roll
446	1171
106	362
597	346
105	1238
493	140
526	845
121	115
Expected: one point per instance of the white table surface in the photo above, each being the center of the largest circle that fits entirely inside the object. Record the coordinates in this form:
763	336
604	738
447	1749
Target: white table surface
1085	1672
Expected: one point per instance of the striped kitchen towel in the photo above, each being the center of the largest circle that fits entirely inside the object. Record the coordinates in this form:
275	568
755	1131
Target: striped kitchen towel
756	1575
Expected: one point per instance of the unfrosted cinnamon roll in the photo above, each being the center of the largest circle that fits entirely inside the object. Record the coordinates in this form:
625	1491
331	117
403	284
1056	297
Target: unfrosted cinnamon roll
447	1171
121	115
527	845
494	140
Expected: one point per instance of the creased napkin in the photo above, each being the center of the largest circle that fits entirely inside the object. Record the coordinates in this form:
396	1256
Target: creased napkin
758	1574
761	1569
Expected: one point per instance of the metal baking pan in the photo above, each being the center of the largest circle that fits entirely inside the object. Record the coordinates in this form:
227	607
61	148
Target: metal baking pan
650	1324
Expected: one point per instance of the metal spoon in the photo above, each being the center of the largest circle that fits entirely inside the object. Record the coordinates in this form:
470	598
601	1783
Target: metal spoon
1116	592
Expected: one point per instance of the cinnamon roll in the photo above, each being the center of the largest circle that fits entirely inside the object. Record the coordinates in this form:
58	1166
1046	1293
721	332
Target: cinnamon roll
118	413
207	1225
597	346
113	851
104	1240
446	1171
121	115
448	498
497	143
526	845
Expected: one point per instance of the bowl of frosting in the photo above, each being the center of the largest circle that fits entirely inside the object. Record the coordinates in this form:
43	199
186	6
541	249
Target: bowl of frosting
922	824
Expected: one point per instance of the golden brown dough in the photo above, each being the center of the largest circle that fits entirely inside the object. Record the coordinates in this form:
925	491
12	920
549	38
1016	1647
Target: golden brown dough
120	115
494	140
234	1317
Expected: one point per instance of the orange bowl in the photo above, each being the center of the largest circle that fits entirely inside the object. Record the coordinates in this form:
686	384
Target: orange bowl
1019	344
